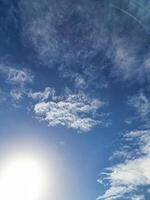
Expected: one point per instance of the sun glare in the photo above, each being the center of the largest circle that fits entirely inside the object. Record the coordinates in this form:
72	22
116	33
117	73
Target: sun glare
22	178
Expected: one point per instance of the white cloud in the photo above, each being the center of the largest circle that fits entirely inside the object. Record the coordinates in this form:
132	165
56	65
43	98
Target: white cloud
15	75
80	81
16	94
17	81
141	105
76	111
138	197
124	59
126	177
87	46
42	96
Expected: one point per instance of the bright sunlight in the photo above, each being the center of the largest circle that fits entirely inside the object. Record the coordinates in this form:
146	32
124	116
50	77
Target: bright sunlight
22	177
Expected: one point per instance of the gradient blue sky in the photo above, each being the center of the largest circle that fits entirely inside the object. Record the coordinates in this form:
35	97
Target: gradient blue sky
75	78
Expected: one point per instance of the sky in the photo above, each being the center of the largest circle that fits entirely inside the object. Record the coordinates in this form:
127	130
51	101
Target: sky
75	85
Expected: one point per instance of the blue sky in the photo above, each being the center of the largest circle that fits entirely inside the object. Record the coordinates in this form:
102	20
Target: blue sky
74	77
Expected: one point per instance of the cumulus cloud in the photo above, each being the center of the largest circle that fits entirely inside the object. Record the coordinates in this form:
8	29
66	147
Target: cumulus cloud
130	175
76	111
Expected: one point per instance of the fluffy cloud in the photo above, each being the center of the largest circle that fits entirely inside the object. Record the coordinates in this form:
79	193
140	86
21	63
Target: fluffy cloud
76	111
129	176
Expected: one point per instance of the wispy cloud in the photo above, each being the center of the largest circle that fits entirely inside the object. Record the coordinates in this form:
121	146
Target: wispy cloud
3	96
42	96
128	176
16	75
123	56
16	94
77	111
141	105
17	82
138	197
77	36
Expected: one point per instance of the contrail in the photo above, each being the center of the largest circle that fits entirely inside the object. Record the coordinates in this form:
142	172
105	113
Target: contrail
145	9
140	5
129	14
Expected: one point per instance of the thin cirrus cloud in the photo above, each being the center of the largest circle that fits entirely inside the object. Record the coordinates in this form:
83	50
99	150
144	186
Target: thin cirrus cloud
17	81
16	75
41	96
141	105
128	176
16	94
138	197
76	111
88	45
